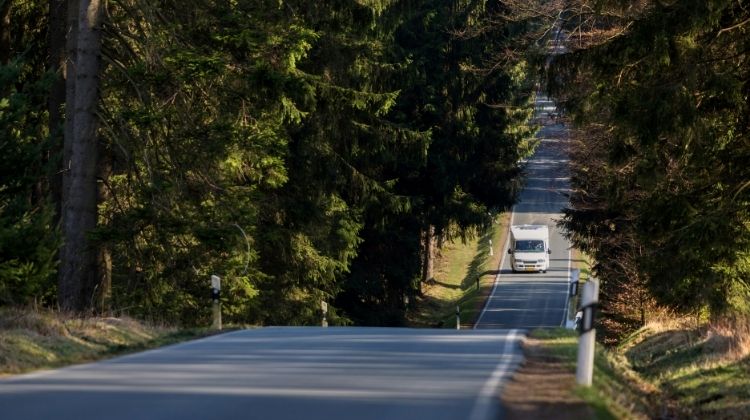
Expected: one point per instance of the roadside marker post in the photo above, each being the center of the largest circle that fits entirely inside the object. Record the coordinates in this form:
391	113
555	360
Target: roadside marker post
491	251
587	340
216	305
574	275
458	317
324	313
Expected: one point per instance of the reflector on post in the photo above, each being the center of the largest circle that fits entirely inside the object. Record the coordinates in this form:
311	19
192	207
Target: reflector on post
573	289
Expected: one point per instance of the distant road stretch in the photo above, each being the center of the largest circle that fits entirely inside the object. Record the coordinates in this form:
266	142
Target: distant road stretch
531	300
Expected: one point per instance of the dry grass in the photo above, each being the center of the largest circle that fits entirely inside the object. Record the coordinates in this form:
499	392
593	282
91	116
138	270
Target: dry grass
702	371
722	340
731	338
673	368
31	340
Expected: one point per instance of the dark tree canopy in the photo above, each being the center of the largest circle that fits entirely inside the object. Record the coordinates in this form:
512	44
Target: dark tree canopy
298	149
661	93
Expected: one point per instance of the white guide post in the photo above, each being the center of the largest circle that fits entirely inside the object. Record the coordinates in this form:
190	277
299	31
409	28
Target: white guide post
216	305
587	340
324	313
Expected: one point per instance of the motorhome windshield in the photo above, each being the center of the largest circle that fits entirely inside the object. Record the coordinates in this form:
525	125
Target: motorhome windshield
530	246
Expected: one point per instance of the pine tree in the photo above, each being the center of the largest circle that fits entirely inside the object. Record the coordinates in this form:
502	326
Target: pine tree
28	237
669	82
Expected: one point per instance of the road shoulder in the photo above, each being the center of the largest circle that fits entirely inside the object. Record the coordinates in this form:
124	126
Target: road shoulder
543	387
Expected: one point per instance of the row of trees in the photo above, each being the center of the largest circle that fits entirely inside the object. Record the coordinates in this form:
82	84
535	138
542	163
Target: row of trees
660	92
301	150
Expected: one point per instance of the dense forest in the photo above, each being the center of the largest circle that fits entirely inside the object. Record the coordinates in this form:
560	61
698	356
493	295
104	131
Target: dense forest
660	96
303	151
308	151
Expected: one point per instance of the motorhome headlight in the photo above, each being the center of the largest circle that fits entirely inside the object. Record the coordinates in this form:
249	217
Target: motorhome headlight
540	261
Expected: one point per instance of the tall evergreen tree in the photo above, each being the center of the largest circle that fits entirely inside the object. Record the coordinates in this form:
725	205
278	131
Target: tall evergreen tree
28	238
669	82
300	150
79	270
475	111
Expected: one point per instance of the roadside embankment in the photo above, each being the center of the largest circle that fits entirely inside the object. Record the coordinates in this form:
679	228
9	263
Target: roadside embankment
664	370
702	371
32	340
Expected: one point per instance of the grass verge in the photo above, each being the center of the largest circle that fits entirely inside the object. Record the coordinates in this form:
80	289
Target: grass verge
615	392
31	340
664	370
459	269
704	372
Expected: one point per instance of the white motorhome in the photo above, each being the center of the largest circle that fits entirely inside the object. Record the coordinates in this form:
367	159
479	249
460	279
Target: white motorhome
529	248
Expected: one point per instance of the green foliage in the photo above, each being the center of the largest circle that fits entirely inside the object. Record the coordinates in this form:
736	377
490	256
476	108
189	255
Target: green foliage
28	235
672	94
466	124
296	149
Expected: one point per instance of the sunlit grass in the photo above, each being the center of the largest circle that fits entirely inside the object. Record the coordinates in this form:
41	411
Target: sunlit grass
457	269
670	368
31	340
700	369
612	394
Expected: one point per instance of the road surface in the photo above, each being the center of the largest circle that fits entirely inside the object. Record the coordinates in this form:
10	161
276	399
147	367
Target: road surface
530	300
282	373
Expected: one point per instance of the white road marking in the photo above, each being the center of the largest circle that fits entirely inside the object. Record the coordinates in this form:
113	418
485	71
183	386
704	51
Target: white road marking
481	410
499	269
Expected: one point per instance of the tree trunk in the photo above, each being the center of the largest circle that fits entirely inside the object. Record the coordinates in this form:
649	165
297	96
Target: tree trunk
56	64
104	257
78	270
68	289
428	254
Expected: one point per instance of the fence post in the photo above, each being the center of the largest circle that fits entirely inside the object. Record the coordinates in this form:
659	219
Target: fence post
587	340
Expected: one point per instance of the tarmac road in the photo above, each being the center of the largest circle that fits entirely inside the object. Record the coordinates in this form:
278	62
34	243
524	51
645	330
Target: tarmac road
282	373
531	300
